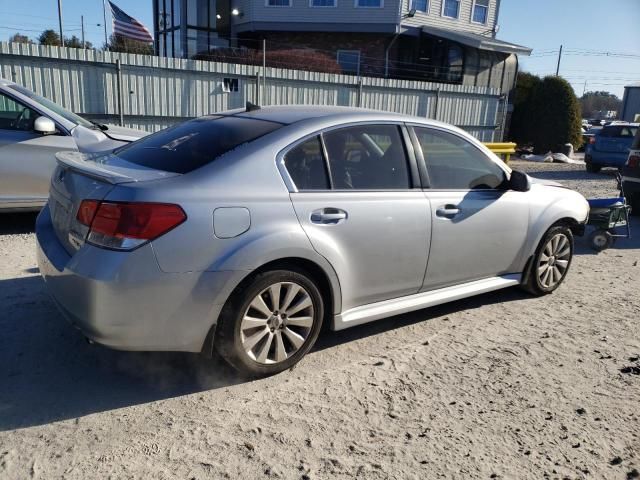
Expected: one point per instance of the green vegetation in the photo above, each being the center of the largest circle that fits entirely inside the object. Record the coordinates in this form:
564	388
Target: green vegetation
546	114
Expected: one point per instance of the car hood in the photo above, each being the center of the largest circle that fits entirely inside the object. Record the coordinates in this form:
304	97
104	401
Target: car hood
549	183
90	140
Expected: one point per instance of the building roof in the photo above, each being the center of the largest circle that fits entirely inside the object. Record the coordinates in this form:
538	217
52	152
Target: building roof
475	40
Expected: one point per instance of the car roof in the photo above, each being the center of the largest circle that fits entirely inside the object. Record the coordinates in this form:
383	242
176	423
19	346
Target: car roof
290	114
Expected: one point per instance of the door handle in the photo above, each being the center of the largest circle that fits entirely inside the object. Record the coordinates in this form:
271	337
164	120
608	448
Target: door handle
448	211
328	216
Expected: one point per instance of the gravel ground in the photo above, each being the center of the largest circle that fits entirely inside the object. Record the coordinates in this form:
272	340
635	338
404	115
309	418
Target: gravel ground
502	385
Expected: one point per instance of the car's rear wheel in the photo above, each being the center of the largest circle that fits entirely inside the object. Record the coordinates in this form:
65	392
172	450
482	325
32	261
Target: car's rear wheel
592	167
270	322
551	261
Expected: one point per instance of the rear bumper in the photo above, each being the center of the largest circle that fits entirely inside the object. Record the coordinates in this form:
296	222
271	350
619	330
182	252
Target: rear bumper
606	159
123	300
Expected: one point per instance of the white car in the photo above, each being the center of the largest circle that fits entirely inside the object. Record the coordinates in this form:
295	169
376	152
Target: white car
32	130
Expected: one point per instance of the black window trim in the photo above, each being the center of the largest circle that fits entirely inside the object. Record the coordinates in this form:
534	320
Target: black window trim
423	164
409	148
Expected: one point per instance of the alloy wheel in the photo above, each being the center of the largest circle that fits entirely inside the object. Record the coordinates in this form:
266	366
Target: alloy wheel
277	323
554	260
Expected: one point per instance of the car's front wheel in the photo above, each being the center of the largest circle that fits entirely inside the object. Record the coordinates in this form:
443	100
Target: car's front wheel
270	322
551	261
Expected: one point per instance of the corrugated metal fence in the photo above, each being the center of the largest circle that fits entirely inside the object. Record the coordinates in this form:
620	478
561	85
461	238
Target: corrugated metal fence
152	92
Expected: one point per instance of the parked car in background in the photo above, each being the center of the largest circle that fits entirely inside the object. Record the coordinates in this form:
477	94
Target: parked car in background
610	146
631	175
587	136
246	231
32	130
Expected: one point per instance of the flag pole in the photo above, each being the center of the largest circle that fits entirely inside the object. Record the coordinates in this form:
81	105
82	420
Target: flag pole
104	15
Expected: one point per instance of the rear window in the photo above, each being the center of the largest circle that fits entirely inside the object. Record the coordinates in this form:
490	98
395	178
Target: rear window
618	131
193	144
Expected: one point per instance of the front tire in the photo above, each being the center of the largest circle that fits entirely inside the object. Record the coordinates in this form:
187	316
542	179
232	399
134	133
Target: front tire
270	322
551	261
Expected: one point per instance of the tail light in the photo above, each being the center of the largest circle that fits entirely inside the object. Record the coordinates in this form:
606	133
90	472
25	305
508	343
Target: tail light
125	226
633	161
592	140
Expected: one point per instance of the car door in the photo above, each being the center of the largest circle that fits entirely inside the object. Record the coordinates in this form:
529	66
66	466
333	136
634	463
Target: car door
354	196
26	157
478	227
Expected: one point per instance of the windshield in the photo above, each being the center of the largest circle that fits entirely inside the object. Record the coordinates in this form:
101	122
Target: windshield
54	107
193	144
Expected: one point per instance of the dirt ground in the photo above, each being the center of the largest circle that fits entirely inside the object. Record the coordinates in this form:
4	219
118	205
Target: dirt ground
502	385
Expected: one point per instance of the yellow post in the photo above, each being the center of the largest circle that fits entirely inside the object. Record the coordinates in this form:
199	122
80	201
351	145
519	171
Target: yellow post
503	148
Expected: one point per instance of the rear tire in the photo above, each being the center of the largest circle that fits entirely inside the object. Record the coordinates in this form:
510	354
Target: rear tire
270	322
592	167
551	261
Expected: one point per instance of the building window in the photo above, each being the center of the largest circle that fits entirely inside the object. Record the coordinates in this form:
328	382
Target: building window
480	11
421	5
349	61
451	8
277	3
369	3
322	3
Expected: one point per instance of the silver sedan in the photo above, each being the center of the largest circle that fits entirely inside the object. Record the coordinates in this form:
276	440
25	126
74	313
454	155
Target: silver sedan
32	130
245	231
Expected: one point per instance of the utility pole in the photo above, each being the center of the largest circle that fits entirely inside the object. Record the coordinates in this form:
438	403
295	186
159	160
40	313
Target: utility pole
60	22
104	15
82	27
584	90
559	58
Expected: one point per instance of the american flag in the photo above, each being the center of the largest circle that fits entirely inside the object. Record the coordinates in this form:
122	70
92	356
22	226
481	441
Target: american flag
128	26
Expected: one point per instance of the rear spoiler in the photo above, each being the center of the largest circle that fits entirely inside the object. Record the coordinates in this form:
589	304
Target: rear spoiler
109	168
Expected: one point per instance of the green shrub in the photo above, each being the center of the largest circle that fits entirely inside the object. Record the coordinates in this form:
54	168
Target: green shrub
556	111
521	127
546	114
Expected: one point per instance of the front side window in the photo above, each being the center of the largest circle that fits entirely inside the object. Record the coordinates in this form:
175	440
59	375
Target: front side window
367	157
278	3
421	5
306	165
369	3
349	61
16	116
193	144
453	163
451	8
480	11
54	107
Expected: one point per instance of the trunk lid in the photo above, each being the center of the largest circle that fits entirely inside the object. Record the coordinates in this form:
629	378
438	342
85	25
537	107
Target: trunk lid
80	177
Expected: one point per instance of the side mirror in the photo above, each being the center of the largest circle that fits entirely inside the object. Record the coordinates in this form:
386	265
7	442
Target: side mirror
44	126
519	181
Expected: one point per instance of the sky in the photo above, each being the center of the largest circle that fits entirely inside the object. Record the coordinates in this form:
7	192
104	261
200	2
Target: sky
587	29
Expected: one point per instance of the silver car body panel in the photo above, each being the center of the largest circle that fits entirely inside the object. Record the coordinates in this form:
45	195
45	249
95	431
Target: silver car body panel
390	254
27	158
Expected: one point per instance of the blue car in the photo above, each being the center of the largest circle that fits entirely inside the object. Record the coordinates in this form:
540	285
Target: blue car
610	146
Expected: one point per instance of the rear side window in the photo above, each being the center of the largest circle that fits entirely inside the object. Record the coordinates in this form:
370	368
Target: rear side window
367	157
193	144
306	166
